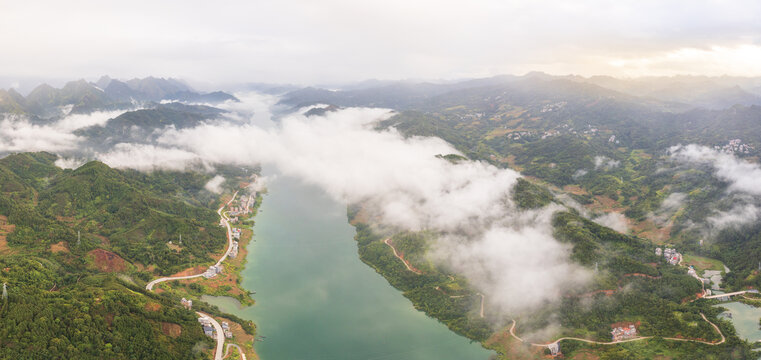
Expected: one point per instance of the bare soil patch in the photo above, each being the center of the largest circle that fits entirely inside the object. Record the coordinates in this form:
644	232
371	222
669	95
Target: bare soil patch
574	189
152	306
171	329
651	231
174	247
191	271
4	245
107	261
59	247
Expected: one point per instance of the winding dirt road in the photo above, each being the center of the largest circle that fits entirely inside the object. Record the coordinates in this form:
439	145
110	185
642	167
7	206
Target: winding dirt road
240	351
396	253
723	339
482	304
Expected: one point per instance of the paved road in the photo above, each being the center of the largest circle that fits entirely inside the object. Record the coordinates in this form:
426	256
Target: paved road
723	339
722	295
151	284
229	230
220	335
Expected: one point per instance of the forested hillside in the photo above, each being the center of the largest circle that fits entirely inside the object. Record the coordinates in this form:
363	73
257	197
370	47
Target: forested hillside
630	285
77	247
606	144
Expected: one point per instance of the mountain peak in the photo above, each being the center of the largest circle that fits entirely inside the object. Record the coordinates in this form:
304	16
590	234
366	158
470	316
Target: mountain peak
103	82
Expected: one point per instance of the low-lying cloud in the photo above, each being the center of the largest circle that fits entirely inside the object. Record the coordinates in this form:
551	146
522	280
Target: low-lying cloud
69	163
738	215
507	254
669	206
606	163
146	157
742	178
503	252
17	133
741	175
215	184
613	220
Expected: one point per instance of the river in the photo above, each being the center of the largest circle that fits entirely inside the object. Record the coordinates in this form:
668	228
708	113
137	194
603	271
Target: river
745	319
316	300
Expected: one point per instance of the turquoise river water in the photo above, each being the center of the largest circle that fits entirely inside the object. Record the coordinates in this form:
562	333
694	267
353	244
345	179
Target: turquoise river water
745	319
316	300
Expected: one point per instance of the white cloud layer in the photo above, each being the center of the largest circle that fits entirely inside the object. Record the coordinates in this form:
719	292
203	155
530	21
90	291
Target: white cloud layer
145	157
613	220
738	215
69	163
507	254
215	184
404	184
605	162
17	133
741	175
743	178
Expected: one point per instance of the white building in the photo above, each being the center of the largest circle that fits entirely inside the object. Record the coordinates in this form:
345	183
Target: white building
234	250
623	333
208	329
212	271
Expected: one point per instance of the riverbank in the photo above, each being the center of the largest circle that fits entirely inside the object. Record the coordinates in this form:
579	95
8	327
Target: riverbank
316	299
191	284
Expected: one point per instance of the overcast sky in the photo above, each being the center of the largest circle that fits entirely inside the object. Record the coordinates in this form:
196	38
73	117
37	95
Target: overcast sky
330	41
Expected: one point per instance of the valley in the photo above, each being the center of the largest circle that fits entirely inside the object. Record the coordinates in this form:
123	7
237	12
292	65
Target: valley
606	181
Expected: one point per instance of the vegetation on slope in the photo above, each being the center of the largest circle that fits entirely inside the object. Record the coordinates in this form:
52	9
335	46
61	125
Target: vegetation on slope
85	299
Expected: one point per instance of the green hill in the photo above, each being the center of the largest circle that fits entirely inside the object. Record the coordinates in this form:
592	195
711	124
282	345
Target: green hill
128	213
139	125
70	299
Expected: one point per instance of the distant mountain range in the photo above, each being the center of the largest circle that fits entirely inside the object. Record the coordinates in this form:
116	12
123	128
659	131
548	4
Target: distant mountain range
651	113
81	96
677	94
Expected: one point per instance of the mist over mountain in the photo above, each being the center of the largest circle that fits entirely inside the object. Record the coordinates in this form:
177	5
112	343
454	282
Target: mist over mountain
404	180
537	199
678	93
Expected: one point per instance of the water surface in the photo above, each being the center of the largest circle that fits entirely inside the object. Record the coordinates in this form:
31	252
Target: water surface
316	300
745	319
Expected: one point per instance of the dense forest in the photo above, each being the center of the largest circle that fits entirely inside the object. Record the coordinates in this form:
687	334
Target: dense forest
77	247
630	284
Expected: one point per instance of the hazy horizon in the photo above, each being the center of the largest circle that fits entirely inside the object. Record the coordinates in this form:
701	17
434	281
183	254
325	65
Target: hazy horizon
25	85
